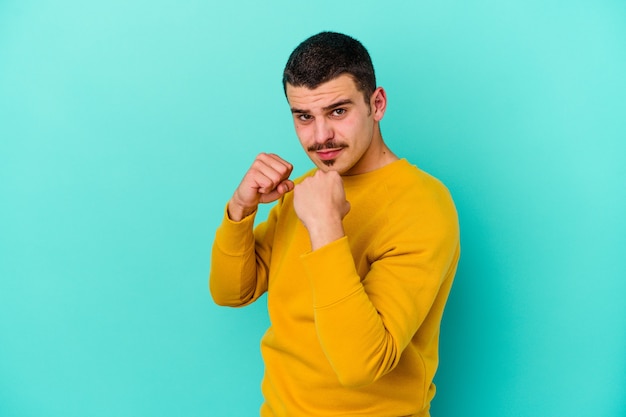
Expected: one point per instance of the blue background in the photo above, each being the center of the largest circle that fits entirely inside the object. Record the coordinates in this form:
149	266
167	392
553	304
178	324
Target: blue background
126	125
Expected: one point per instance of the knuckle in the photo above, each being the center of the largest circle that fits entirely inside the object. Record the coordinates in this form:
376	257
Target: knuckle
283	170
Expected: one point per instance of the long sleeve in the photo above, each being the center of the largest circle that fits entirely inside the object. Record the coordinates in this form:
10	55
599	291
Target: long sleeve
356	322
364	323
240	261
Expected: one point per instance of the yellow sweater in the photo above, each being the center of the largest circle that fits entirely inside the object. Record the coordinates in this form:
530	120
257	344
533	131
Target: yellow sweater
355	324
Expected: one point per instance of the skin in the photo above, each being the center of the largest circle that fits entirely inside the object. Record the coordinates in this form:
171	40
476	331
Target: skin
340	133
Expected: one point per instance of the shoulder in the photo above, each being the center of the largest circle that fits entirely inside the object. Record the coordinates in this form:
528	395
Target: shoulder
420	200
408	182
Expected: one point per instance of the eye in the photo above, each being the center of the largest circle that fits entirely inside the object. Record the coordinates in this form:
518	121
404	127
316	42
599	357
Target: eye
303	117
339	112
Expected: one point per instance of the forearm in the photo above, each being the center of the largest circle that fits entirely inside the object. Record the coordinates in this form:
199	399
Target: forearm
365	324
360	350
350	329
324	233
234	276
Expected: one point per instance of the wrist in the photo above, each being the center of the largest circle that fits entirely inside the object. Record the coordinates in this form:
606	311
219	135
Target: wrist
323	233
237	212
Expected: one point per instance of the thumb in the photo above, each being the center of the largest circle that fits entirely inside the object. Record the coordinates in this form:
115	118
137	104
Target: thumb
347	208
281	189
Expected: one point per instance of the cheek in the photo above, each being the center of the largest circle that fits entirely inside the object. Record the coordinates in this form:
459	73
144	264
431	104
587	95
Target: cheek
356	125
303	135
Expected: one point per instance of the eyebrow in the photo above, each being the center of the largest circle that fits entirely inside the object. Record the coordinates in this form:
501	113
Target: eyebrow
327	108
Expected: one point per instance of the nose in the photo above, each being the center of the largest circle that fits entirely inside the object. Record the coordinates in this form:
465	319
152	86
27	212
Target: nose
323	130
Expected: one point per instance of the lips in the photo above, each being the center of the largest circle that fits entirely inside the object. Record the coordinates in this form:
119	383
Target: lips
328	154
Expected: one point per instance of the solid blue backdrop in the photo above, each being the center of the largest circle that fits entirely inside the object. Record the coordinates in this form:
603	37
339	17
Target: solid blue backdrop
126	125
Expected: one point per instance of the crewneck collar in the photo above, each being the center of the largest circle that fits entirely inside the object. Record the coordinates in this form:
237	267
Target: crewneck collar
383	172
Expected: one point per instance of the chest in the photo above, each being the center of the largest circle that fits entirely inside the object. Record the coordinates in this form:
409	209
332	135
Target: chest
289	287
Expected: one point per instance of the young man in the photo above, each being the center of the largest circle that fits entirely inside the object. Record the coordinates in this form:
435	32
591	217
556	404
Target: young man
357	256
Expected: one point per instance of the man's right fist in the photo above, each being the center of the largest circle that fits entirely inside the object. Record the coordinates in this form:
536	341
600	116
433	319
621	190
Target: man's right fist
267	180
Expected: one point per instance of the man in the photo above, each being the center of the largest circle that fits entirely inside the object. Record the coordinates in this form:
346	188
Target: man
357	256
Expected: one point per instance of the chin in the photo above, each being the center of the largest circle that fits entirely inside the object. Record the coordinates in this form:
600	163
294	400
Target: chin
331	165
327	165
341	170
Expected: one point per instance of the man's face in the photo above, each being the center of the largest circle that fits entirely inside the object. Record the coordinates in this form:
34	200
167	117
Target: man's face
335	125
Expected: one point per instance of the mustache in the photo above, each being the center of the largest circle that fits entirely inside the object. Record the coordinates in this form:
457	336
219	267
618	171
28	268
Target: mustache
327	145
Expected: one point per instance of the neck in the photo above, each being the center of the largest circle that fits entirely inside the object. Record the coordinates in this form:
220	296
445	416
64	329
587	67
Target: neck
377	156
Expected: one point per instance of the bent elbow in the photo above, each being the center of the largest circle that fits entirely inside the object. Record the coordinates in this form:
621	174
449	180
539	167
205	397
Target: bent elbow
223	302
356	379
222	297
360	375
353	373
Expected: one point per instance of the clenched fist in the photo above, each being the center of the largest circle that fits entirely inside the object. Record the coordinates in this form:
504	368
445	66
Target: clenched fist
267	180
320	203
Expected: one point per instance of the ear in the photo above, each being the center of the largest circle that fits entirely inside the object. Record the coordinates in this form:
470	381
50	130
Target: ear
378	103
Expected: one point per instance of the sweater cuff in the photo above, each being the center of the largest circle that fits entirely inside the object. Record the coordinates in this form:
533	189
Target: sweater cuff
332	273
233	237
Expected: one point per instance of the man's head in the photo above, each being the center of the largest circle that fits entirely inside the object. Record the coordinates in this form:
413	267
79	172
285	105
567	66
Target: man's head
336	107
326	56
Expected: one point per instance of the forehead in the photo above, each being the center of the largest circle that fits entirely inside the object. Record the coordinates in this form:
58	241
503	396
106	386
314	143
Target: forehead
335	90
